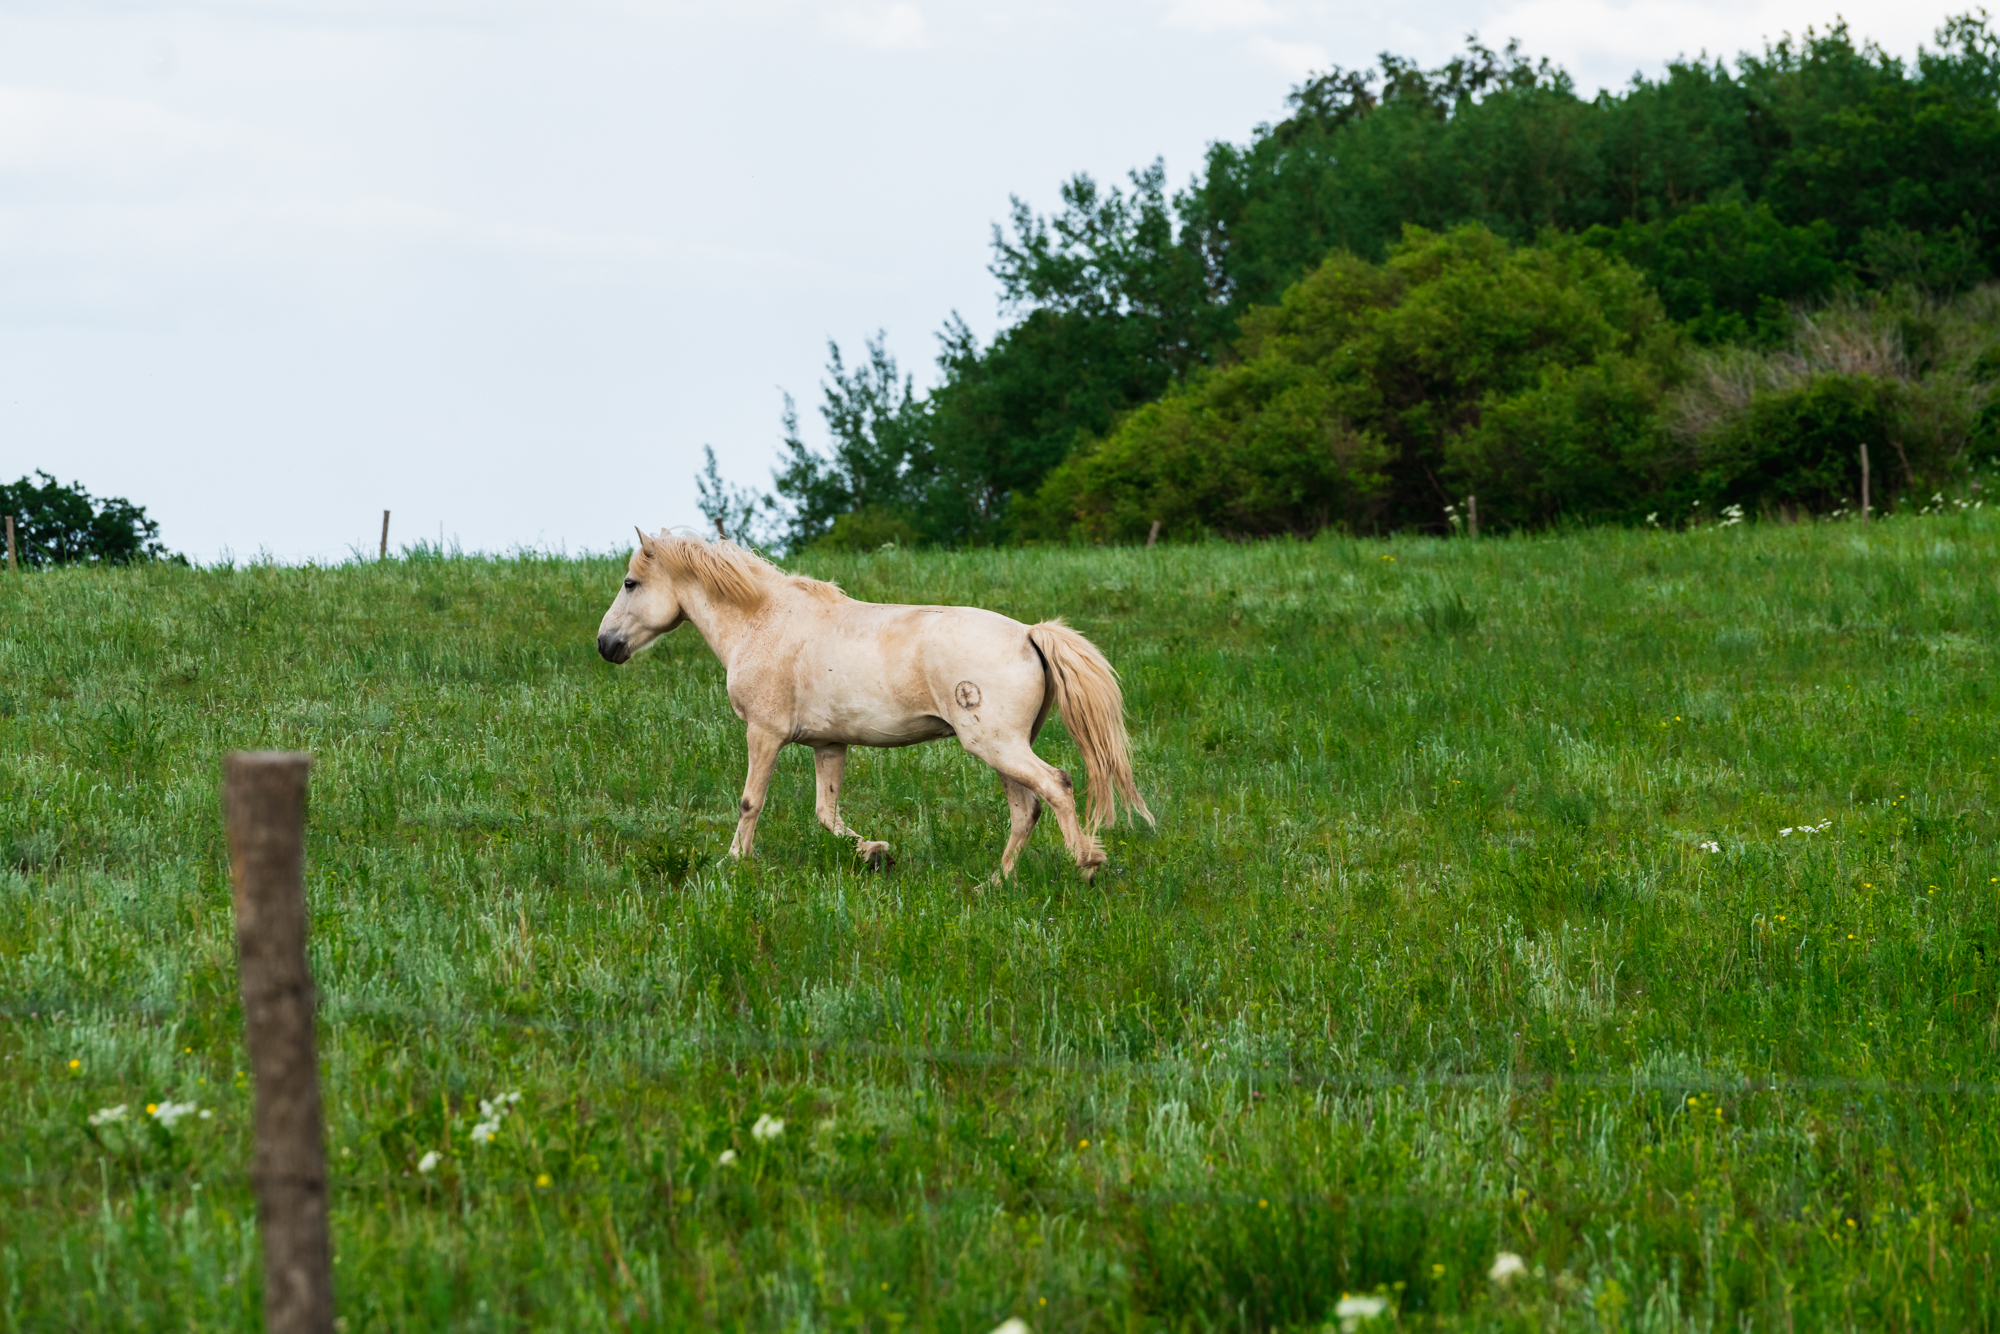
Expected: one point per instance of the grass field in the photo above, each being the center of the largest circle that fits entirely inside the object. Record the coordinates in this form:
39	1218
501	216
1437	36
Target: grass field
1470	925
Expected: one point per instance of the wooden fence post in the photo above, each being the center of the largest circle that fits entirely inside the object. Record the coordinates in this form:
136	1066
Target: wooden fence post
1864	484
383	553
1154	535
1472	515
11	563
264	810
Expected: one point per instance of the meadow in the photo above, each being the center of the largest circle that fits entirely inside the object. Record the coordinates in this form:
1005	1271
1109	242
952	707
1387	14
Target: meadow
1625	900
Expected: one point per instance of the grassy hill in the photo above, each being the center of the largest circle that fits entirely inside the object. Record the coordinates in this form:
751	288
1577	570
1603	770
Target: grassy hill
1470	925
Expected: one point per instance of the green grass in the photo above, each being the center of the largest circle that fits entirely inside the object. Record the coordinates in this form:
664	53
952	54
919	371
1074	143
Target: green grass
1425	960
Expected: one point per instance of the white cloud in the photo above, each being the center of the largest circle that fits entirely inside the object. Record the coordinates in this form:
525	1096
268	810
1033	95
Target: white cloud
114	140
1295	59
1603	42
1219	15
898	27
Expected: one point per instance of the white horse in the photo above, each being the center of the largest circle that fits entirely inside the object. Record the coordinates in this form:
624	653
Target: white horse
808	664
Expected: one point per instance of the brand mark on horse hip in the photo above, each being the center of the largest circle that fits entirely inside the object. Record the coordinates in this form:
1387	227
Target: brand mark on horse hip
967	695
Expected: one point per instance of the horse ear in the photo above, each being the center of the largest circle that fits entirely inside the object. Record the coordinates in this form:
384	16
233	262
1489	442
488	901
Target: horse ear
645	542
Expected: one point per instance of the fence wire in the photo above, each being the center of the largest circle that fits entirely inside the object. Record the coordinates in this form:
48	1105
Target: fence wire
1279	1072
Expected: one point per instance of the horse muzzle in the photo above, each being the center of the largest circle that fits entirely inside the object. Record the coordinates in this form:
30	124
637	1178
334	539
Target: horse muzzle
613	647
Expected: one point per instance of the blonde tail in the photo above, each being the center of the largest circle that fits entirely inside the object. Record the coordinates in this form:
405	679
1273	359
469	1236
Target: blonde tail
1093	709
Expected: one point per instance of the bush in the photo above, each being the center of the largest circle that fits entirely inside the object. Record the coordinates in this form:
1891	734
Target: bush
1802	447
1347	402
1910	377
64	525
1583	443
867	529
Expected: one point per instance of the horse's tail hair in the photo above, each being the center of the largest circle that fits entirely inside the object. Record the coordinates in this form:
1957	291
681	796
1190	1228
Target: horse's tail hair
1093	709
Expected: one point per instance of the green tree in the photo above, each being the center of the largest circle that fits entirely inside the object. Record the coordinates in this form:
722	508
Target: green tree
1729	271
64	525
1113	304
881	461
1740	189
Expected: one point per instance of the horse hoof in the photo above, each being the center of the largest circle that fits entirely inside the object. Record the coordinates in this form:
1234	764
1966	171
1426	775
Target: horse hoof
875	854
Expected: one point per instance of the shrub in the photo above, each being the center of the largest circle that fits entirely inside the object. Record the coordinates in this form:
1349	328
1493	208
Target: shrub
866	529
1583	443
1345	403
1908	376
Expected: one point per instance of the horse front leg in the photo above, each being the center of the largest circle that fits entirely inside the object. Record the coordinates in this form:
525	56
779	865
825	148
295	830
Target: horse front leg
764	748
829	768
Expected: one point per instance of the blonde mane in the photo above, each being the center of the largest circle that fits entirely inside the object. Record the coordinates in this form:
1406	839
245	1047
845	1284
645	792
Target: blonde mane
726	571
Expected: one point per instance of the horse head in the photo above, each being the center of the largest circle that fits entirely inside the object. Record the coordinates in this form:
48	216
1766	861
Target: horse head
646	607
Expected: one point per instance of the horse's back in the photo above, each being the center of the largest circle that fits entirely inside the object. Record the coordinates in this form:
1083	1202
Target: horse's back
938	661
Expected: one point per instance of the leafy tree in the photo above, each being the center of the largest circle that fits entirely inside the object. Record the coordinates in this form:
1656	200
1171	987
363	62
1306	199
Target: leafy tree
1729	271
736	512
64	525
881	460
1740	189
1114	303
1916	158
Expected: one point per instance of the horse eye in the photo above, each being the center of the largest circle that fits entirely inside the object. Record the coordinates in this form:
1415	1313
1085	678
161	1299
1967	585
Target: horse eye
631	584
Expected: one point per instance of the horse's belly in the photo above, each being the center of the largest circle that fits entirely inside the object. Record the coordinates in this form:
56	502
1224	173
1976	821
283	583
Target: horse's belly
873	730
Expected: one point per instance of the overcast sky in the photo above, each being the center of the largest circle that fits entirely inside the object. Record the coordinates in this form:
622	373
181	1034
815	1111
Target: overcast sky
269	267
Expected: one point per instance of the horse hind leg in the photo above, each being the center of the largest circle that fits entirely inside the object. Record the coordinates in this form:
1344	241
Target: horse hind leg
1024	808
1017	763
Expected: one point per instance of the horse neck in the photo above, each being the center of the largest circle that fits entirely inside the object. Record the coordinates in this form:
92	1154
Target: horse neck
722	624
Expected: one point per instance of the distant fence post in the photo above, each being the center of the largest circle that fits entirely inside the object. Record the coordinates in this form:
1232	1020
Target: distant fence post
12	564
383	552
264	810
1154	535
1472	515
1864	484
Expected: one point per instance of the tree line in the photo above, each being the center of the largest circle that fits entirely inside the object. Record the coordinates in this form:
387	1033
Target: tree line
1706	288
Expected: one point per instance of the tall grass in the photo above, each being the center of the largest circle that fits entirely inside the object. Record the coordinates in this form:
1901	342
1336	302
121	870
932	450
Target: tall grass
1468	926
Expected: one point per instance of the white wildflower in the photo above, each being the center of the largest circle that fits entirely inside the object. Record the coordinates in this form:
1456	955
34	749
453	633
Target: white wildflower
1654	518
727	1158
491	1113
497	1108
1353	1310
1784	833
169	1112
1505	1266
1013	1324
1711	846
104	1116
767	1128
429	1162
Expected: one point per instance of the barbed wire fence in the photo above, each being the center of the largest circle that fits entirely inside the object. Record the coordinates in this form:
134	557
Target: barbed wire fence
294	1187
